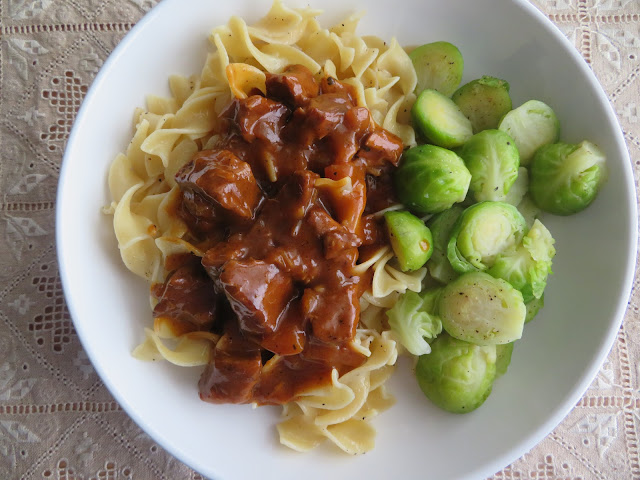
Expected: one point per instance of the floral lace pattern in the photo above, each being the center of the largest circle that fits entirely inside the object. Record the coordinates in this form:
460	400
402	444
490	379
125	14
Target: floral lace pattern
50	52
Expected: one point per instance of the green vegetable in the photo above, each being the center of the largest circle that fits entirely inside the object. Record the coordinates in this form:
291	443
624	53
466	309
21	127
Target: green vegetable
481	309
482	232
441	226
484	101
533	307
410	239
529	210
519	188
431	179
457	376
503	358
531	125
413	320
439	66
529	265
493	160
440	120
566	178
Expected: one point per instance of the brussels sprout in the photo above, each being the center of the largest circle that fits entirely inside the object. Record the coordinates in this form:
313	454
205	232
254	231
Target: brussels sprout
492	159
457	376
413	320
531	125
533	307
483	231
481	309
503	358
519	188
529	265
484	101
529	210
441	226
410	239
431	179
439	66
440	120
566	178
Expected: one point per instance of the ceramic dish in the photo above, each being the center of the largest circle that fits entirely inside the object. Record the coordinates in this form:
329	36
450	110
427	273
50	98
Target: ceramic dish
552	365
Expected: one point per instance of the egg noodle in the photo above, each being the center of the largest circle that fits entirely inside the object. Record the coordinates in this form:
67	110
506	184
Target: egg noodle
171	130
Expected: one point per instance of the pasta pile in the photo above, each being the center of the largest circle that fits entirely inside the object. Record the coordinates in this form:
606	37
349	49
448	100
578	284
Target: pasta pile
171	130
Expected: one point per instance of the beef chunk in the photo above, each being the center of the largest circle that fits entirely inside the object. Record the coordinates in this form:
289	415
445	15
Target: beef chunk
289	338
260	117
380	147
187	295
331	85
258	293
217	256
335	237
333	312
295	86
215	183
234	369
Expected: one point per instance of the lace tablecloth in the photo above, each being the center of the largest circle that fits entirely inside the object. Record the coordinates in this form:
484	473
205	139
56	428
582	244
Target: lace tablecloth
57	420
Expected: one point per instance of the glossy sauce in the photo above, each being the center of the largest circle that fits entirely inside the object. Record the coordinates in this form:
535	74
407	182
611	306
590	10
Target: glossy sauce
284	202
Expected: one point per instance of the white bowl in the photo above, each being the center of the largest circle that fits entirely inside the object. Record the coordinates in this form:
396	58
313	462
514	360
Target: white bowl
552	365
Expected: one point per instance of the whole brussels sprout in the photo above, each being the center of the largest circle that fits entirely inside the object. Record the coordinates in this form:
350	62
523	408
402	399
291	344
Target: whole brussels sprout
484	101
431	179
410	239
529	265
483	231
457	376
566	178
441	226
481	309
531	125
493	160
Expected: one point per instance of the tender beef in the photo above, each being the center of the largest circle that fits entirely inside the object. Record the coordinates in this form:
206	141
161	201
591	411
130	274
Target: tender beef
322	116
234	369
216	185
335	237
290	337
187	295
295	86
217	256
296	262
258	292
261	118
379	147
331	85
333	312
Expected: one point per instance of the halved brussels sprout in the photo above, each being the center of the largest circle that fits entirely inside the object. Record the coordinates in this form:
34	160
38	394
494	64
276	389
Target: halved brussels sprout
519	188
503	358
440	120
410	239
532	125
529	265
493	160
441	226
566	178
439	66
481	309
533	307
484	102
414	322
482	232
431	179
457	376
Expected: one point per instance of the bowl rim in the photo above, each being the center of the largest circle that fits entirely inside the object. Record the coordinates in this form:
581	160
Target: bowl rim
510	455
